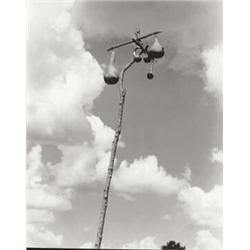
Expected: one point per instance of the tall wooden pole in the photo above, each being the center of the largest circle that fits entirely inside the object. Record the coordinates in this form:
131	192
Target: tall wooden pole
104	205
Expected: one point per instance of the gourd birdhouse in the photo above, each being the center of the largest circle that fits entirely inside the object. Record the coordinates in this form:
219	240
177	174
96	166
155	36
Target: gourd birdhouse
150	75
137	56
156	50
111	76
147	59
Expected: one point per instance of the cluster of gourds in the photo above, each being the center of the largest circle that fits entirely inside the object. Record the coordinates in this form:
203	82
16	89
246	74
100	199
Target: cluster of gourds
155	51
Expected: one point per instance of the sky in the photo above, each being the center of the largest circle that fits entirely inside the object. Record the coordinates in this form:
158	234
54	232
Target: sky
167	183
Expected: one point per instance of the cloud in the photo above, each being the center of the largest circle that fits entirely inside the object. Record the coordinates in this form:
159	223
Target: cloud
146	243
187	173
81	164
35	166
206	241
76	167
101	166
88	244
38	215
63	78
86	163
86	229
183	25
42	201
40	194
39	236
103	135
217	156
203	208
63	81
144	175
41	198
192	33
167	217
103	19
213	71
52	186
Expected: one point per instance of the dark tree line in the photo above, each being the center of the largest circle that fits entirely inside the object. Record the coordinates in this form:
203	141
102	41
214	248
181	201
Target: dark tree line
172	245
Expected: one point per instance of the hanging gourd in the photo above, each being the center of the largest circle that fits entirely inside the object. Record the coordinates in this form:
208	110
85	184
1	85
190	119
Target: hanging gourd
137	56
147	59
150	75
111	76
156	50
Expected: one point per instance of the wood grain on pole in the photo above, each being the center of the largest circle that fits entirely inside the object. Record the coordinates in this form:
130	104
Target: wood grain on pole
104	205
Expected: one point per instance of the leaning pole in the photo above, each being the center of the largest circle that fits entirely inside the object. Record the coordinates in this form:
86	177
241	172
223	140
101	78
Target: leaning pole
104	204
149	55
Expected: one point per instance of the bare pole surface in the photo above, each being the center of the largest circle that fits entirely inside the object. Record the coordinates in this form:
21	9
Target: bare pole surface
104	205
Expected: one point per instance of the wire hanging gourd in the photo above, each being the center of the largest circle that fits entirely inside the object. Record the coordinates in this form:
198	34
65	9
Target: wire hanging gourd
111	76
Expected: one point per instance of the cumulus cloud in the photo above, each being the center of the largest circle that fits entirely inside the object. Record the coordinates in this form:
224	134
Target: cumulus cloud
103	19
76	167
103	134
213	71
88	162
42	201
217	156
63	81
145	243
203	208
85	163
40	194
189	50
35	166
183	36
41	198
88	244
145	175
50	186
63	77
39	215
80	165
187	173
206	241
167	217
39	236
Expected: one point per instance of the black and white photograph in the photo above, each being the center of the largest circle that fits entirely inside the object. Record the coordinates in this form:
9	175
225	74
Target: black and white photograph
124	124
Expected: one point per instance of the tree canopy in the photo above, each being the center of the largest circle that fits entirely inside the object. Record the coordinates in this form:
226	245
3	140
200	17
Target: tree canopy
173	245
